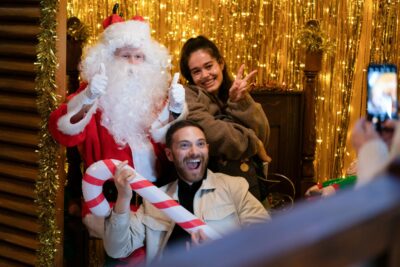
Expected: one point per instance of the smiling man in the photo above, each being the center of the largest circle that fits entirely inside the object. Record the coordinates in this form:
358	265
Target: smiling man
223	202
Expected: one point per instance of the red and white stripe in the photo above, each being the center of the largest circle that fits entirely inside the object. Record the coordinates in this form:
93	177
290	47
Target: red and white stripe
103	170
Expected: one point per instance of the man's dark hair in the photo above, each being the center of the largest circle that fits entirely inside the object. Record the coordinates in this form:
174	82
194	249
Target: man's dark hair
198	43
177	126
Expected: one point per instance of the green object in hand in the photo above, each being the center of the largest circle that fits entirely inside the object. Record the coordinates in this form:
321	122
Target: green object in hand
341	182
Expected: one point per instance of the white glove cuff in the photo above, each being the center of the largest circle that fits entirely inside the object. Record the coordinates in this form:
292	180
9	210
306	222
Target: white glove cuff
176	108
79	100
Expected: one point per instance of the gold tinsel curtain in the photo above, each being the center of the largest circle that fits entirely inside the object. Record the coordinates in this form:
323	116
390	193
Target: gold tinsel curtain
262	34
247	31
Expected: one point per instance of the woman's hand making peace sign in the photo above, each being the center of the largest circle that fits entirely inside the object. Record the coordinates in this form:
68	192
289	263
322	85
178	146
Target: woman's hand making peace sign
240	86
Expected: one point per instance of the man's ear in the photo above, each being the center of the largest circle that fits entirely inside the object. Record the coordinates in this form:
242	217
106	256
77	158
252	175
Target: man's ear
168	153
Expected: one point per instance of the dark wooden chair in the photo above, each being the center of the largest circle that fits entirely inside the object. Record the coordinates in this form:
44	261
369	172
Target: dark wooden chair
292	142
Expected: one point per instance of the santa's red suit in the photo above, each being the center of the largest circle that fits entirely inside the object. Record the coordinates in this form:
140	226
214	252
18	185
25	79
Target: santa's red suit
96	143
94	132
127	111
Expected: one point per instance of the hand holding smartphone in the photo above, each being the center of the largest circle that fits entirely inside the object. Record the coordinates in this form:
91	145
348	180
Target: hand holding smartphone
382	94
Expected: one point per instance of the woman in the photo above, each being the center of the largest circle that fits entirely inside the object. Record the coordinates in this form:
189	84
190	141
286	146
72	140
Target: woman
375	151
236	126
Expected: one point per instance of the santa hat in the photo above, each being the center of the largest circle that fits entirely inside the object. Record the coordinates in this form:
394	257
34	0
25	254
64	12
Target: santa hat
114	18
119	33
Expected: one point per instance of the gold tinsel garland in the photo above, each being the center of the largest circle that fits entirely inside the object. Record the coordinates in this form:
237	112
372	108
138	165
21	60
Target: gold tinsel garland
47	183
247	31
274	21
262	34
354	29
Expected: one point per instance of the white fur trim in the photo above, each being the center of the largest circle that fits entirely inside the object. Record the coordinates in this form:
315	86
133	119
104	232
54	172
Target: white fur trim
64	123
144	160
78	100
129	33
124	34
160	127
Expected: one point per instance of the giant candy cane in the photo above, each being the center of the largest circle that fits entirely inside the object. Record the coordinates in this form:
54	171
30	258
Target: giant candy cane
103	170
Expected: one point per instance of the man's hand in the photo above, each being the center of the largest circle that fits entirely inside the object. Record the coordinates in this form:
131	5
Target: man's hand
122	179
176	96
315	190
240	86
198	237
97	86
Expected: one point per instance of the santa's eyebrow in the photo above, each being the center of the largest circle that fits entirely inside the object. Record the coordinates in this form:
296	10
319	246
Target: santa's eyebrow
183	141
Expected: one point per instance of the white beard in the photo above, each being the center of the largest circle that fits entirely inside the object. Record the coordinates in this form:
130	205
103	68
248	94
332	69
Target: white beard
134	97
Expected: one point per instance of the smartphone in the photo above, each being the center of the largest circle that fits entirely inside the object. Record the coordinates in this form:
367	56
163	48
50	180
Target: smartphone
382	94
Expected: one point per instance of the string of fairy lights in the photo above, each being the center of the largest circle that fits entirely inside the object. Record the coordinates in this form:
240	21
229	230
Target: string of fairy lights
262	34
239	28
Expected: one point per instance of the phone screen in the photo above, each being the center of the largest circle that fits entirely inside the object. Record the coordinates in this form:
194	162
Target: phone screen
382	102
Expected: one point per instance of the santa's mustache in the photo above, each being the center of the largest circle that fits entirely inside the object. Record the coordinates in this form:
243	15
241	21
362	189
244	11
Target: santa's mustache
134	97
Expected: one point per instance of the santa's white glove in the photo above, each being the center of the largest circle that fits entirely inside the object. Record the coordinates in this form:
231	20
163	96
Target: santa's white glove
176	96
97	86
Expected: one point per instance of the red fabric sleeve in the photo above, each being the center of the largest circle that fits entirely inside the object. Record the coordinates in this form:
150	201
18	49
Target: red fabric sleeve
63	139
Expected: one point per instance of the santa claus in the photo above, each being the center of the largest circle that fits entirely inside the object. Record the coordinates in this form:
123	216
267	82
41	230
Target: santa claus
126	105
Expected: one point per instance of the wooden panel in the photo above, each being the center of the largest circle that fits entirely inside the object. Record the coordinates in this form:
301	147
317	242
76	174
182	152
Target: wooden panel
18	204
17	85
10	263
17	253
20	119
61	81
18	237
19	126
18	49
21	2
22	32
19	171
16	187
19	221
19	14
21	67
18	153
18	102
284	113
20	137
